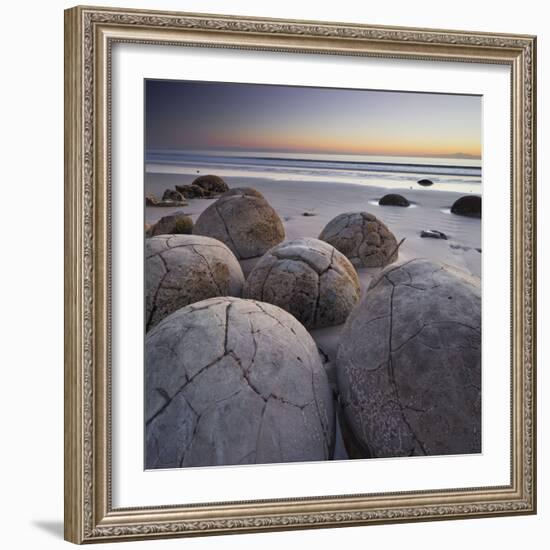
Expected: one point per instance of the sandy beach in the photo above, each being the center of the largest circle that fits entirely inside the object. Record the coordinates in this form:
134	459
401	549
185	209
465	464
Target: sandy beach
322	201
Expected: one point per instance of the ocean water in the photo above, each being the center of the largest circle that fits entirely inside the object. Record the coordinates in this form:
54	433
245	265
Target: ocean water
447	174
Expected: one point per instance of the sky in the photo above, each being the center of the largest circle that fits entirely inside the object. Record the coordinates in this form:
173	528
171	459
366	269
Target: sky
256	117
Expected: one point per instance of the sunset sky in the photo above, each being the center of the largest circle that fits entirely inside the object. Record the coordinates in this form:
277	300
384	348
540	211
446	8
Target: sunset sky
214	116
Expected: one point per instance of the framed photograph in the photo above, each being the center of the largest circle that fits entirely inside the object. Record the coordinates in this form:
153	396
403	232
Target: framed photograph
300	274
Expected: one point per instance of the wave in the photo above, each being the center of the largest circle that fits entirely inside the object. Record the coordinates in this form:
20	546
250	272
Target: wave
308	164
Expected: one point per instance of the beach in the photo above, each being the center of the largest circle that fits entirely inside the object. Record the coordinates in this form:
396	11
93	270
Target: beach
323	200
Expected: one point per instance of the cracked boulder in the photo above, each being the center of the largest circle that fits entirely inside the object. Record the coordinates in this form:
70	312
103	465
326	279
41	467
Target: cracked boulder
244	221
182	269
232	381
362	238
409	363
308	278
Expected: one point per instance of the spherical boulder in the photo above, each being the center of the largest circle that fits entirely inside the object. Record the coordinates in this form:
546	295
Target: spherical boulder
244	221
308	278
363	238
393	199
174	224
191	191
211	184
232	381
183	269
409	363
425	182
469	205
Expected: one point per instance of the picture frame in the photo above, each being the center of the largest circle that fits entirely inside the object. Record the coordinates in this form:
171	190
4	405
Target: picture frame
90	35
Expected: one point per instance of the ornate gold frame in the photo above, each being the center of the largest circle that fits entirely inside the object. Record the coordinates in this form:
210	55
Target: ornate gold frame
89	34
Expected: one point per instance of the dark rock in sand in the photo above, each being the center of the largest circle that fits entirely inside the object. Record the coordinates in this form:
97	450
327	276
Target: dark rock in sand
244	221
433	234
183	269
362	238
425	182
171	195
308	214
150	200
174	224
232	381
192	191
409	363
469	205
393	199
307	278
213	185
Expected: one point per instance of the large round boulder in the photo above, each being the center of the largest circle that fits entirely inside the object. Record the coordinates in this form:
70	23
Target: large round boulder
231	381
362	238
244	221
393	199
174	224
409	363
469	205
308	278
183	269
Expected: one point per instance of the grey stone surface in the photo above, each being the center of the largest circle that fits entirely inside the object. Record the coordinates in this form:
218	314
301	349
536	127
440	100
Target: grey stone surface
362	238
182	269
211	184
192	191
173	224
308	278
244	221
171	195
232	381
409	363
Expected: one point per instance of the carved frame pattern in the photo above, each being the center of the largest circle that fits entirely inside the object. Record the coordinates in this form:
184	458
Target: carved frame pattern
89	34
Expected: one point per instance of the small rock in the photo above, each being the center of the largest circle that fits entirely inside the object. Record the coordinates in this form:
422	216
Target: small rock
469	205
425	182
393	199
175	224
171	195
192	191
151	200
171	204
213	185
433	234
308	214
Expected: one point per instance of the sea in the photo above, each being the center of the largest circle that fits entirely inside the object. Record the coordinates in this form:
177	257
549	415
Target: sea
447	174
